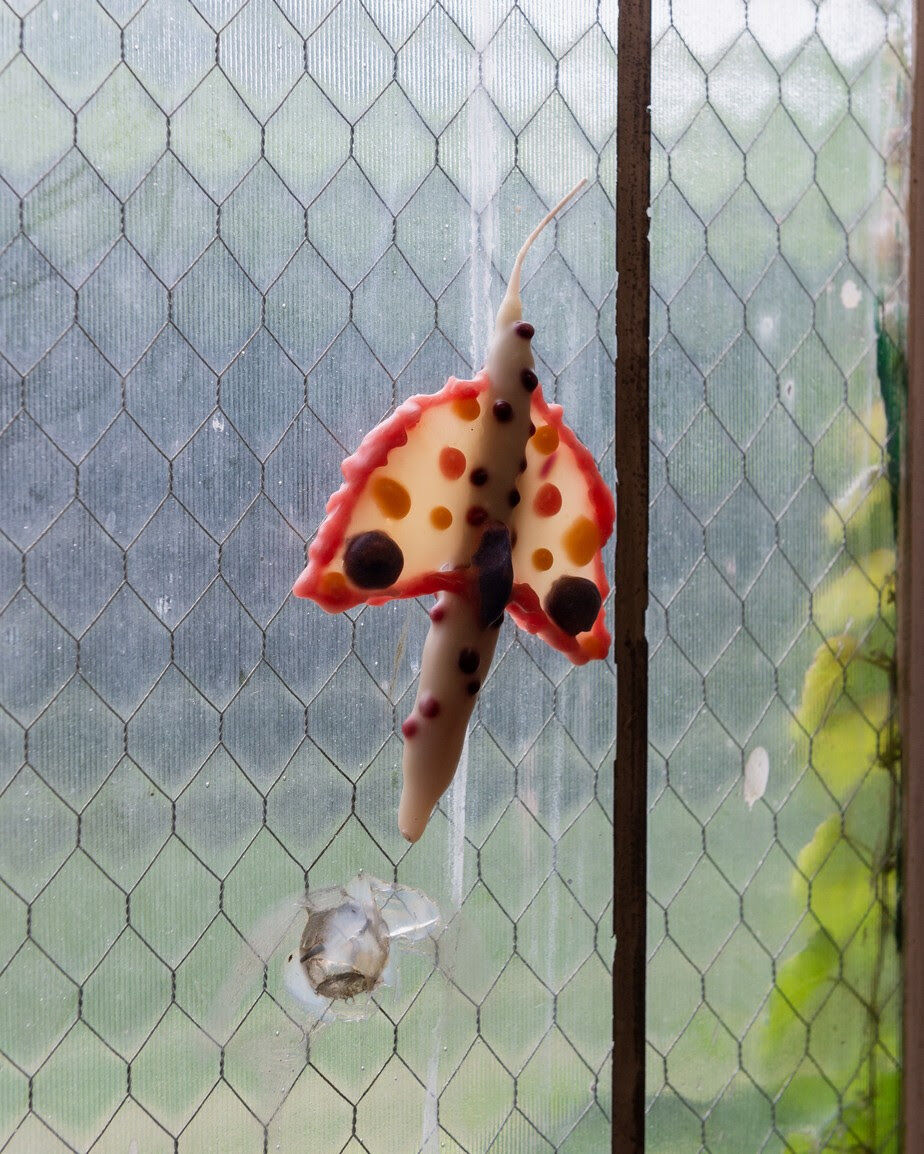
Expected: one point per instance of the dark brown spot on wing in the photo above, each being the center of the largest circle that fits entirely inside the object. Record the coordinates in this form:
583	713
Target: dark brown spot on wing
573	604
373	560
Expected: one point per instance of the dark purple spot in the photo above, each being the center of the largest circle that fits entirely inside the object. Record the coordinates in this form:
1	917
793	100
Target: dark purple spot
524	329
469	660
428	705
478	476
503	411
573	604
472	688
437	613
476	515
529	379
409	728
493	564
373	560
513	498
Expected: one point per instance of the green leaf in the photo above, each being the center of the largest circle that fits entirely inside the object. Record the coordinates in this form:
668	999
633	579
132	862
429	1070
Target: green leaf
846	706
892	370
845	749
809	1106
870	965
846	703
781	1044
804	1142
842	884
857	595
871	527
813	855
867	816
806	978
862	514
825	680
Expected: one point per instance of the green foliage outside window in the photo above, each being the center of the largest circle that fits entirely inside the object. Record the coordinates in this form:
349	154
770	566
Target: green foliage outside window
840	987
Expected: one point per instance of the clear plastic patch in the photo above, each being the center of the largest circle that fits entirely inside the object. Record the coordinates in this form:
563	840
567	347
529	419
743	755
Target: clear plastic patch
334	949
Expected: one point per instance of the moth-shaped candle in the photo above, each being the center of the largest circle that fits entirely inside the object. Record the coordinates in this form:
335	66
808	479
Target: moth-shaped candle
481	494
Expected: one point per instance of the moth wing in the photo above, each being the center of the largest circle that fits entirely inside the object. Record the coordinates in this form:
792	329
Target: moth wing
397	526
565	517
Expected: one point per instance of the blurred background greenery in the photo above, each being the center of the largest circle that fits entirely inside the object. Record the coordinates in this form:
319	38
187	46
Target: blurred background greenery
779	178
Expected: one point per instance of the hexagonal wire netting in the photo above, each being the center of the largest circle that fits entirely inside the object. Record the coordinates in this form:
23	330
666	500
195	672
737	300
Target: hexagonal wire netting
779	182
235	233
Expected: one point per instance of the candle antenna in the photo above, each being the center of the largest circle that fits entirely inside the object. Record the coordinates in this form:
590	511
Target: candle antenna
511	307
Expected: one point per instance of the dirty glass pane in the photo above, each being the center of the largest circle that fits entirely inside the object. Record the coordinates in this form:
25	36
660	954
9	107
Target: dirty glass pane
779	179
233	235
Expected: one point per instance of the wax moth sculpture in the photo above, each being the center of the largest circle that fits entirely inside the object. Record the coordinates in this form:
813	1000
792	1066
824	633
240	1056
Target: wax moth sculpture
481	494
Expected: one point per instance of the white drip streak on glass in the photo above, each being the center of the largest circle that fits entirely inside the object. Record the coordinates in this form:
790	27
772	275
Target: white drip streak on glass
457	827
482	159
553	818
429	1140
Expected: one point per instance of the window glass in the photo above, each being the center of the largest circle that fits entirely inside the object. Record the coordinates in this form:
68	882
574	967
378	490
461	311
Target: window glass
779	179
233	236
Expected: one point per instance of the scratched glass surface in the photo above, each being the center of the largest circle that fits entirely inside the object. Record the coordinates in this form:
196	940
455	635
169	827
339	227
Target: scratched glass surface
779	180
233	235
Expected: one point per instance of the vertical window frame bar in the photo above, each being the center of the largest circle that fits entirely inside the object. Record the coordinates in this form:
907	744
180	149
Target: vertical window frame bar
633	188
911	642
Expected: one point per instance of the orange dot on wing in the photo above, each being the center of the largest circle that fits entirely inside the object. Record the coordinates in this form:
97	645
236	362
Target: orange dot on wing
542	560
333	585
581	541
547	500
440	517
452	463
391	497
467	408
545	439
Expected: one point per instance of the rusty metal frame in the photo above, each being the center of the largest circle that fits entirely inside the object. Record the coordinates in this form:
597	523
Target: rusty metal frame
633	145
912	643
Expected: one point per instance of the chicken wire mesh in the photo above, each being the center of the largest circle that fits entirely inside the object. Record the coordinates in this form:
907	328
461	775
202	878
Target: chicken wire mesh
235	233
779	181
